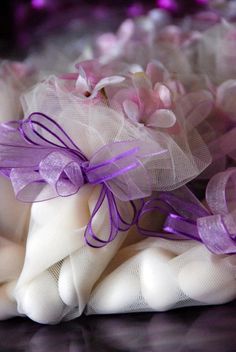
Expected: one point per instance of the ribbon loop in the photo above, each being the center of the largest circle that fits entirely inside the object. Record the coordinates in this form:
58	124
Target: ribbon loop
43	154
63	172
38	152
119	166
221	192
215	236
217	230
117	222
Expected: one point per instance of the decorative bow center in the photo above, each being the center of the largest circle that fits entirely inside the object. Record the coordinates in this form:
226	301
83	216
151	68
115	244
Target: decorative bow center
38	152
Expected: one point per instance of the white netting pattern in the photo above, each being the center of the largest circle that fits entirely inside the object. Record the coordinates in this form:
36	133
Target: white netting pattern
158	275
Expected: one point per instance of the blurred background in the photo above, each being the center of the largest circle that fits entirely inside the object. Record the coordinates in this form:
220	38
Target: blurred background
26	23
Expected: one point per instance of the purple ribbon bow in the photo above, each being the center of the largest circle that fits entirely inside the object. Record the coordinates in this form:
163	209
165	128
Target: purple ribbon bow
215	228
38	152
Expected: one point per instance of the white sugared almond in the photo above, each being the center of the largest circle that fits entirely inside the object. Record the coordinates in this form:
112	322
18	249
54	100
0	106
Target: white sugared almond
159	287
207	282
40	300
8	306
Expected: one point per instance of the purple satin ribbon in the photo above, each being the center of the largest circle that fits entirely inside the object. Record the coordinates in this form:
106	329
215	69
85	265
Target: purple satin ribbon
216	228
38	152
181	209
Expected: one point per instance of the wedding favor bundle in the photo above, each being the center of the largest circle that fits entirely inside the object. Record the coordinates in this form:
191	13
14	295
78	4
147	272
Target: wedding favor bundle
98	167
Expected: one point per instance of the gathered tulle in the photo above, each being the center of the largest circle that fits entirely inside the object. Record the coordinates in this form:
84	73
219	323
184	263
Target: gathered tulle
70	267
173	159
158	275
115	134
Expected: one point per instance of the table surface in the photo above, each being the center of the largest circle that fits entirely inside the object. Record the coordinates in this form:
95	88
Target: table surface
182	330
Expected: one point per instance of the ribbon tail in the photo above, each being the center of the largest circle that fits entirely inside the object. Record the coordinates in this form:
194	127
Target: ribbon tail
93	239
180	226
131	209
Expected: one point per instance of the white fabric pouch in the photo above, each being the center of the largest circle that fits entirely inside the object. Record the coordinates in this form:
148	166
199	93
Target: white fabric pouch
60	268
158	275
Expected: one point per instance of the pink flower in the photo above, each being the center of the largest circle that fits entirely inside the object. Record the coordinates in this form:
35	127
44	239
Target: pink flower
148	100
176	36
91	78
112	45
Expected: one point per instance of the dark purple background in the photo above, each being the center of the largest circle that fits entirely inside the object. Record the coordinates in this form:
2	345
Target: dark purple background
195	329
22	22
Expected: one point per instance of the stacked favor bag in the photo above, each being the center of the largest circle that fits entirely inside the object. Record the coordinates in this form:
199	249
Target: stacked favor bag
99	214
15	78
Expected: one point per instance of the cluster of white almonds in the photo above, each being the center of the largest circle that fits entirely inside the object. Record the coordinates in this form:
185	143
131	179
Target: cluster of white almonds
158	275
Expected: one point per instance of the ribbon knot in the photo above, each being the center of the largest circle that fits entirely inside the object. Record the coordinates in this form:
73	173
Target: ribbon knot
38	152
63	171
216	227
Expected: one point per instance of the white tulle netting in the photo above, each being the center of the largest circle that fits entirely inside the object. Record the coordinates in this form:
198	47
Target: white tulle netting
170	160
158	275
60	269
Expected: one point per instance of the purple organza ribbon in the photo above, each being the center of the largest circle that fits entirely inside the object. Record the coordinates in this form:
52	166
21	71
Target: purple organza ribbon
215	228
224	145
38	152
178	206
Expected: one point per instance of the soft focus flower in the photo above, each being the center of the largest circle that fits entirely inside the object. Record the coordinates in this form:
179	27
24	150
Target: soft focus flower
149	98
133	39
226	98
216	53
111	45
92	78
15	78
174	35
